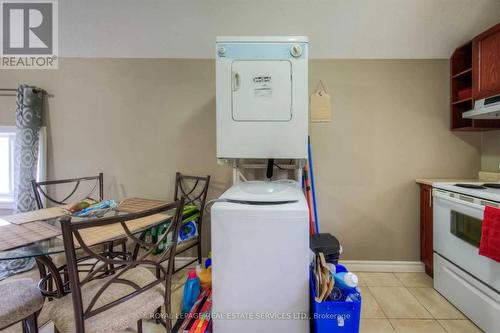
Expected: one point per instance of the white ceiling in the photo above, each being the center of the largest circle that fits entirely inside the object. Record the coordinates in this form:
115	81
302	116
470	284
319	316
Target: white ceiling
336	28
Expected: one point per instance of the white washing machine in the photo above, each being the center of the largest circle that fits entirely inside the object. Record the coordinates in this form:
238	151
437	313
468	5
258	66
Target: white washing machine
260	249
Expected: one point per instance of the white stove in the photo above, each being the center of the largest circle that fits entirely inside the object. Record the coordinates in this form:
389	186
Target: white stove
482	190
470	281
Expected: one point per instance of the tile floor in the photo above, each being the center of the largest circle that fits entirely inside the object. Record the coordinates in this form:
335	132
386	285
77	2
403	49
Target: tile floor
406	302
392	302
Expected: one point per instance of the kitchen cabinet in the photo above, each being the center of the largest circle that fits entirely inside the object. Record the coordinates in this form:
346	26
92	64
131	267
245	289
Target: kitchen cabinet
474	74
426	251
461	87
486	63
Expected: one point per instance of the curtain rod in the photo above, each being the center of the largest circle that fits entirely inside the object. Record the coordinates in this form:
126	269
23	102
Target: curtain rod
9	90
15	91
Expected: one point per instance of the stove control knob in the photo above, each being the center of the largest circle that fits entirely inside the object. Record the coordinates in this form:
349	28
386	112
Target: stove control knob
296	50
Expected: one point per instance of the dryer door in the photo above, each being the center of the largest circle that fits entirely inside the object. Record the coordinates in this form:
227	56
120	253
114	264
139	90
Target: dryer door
261	90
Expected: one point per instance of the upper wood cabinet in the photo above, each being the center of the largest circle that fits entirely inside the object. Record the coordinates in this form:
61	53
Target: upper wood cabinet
486	63
475	74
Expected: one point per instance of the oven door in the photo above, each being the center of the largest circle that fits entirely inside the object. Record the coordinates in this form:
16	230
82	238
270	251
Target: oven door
457	232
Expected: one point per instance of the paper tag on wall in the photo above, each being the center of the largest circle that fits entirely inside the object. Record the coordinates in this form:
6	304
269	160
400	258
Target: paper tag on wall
321	107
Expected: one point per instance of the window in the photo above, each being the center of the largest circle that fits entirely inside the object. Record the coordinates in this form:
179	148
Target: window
7	141
7	138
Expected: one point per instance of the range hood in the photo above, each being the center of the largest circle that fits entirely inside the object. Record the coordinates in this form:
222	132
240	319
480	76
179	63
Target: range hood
487	108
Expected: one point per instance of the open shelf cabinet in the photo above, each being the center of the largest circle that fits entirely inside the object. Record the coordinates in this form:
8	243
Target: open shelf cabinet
461	94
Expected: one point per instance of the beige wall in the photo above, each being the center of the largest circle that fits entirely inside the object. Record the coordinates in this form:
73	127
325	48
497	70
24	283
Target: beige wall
490	158
391	121
139	121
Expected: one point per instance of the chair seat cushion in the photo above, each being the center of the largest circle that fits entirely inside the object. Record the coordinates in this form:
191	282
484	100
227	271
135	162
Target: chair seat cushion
20	298
118	317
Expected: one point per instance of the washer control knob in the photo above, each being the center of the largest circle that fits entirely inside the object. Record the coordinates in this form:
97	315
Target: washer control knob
296	50
221	51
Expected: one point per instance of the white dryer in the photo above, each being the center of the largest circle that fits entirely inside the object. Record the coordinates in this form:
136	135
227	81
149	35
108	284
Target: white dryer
260	249
262	97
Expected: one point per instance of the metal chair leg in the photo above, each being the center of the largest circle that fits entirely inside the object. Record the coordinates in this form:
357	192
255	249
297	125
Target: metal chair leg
167	303
168	319
139	326
110	251
30	324
124	249
199	250
158	310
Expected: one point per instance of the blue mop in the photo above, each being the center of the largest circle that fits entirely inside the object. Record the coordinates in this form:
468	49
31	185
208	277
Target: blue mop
311	170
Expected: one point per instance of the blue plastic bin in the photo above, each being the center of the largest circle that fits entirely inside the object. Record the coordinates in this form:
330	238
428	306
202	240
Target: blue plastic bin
334	316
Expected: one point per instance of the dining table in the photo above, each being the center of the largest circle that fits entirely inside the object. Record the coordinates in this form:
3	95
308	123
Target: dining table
42	239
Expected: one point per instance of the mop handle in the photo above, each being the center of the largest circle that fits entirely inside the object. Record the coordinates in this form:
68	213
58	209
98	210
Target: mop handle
311	170
307	190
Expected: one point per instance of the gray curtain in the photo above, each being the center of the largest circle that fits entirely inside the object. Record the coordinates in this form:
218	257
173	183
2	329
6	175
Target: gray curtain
29	102
15	266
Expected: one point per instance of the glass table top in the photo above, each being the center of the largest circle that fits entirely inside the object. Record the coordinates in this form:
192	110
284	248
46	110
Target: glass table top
55	245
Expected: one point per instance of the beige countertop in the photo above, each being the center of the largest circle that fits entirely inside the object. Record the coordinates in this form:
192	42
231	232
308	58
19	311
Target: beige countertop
430	181
482	177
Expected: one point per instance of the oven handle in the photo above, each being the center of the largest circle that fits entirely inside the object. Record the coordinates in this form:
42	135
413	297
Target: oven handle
445	197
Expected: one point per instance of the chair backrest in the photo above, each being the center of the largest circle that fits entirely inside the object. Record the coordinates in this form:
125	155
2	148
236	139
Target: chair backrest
194	189
41	188
121	262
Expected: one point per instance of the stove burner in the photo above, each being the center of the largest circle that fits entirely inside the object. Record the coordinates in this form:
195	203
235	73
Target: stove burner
492	185
471	186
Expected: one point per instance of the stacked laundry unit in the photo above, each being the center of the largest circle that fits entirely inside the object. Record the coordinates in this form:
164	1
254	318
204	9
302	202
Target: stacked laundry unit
260	229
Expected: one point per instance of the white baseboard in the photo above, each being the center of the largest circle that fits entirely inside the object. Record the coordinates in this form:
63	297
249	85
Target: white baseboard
383	266
358	265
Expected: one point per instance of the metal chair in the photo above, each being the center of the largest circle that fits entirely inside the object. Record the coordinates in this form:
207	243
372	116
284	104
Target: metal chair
138	289
21	301
40	190
195	190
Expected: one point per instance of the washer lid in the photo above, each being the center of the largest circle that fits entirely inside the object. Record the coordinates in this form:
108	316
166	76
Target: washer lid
261	191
